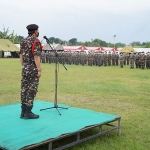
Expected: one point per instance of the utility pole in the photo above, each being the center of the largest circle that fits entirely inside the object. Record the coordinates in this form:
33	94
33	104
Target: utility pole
114	40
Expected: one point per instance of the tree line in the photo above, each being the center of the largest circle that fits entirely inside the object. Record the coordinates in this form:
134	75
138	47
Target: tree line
16	39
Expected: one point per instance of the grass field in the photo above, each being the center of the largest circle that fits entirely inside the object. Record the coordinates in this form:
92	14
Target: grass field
121	91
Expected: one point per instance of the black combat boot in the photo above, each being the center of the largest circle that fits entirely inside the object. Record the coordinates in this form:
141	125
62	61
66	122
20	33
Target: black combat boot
29	115
23	109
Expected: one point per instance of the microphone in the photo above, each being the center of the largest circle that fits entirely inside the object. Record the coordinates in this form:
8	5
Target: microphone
45	38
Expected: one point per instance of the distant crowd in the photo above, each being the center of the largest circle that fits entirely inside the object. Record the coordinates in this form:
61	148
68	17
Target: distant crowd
135	60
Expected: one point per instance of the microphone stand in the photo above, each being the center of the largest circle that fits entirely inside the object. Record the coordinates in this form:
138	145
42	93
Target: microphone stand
56	79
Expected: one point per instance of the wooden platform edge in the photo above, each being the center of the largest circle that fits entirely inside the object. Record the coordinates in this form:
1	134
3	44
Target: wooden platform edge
78	138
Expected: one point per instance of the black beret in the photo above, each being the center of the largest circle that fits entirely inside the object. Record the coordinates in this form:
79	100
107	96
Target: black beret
32	27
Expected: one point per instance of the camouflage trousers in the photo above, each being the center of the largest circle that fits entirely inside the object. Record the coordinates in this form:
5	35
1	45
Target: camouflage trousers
121	63
142	64
113	62
29	84
132	63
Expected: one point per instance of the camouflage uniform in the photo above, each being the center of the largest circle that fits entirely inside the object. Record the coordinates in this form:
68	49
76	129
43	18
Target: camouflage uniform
105	59
142	60
131	58
137	57
127	56
70	58
82	57
47	57
148	61
121	60
117	58
109	59
90	59
50	58
43	56
30	80
113	58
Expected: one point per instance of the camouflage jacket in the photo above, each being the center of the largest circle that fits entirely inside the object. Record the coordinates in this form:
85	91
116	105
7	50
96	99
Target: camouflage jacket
26	49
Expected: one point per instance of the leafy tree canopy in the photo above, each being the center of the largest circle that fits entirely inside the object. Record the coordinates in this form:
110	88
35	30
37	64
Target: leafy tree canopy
5	34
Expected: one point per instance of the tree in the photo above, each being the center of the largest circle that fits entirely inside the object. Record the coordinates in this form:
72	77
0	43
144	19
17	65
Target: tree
135	44
120	45
4	34
52	40
147	45
73	41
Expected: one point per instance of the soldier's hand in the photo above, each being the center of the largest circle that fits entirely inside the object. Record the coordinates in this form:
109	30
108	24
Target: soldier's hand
39	74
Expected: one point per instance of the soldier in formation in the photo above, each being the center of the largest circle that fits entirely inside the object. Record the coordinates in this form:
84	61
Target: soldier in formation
142	60
137	57
109	59
148	60
131	58
121	58
43	57
117	58
113	58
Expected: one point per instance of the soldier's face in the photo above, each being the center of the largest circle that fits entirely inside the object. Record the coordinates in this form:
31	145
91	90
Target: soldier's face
37	33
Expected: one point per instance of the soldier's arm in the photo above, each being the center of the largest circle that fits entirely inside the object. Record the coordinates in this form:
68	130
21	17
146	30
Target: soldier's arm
21	59
37	62
37	54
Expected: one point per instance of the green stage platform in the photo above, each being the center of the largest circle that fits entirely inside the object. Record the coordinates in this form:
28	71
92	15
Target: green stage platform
16	133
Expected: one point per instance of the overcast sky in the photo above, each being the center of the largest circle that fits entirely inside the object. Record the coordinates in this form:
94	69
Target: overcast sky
129	20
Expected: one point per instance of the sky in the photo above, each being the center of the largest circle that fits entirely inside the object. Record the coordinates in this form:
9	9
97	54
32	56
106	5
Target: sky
81	19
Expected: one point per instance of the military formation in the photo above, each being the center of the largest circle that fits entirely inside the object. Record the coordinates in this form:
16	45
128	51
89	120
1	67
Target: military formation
135	60
104	58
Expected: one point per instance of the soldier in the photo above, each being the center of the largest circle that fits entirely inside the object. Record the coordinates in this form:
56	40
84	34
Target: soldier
121	60
47	57
127	57
82	57
30	51
90	59
131	58
142	60
85	58
43	56
117	58
70	58
77	59
137	57
102	58
53	57
94	58
109	59
113	58
148	60
105	59
73	58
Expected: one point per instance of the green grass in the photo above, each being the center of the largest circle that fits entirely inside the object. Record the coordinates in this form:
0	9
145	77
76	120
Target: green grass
115	90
